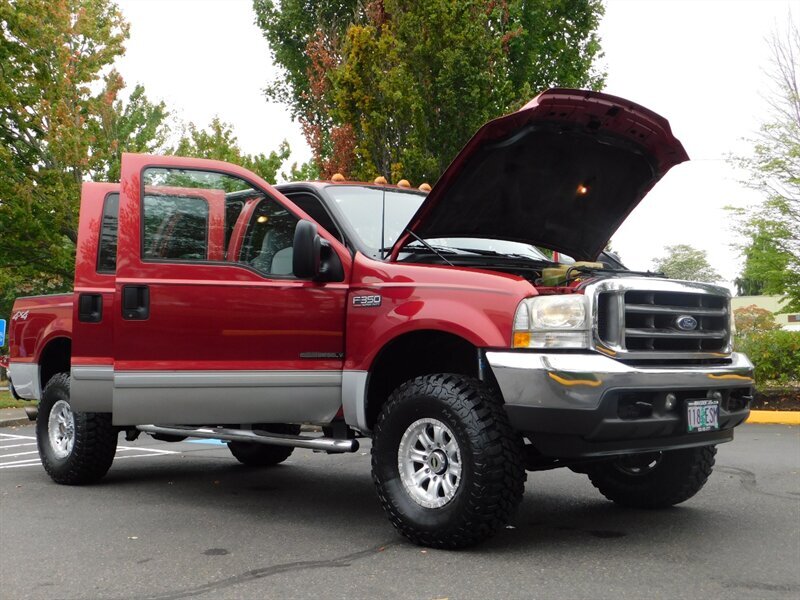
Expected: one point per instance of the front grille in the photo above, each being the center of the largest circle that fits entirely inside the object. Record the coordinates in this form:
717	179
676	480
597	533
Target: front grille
645	322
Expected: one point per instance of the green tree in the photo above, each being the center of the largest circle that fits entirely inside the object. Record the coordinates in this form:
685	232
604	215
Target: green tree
687	263
52	53
132	125
308	171
398	87
62	120
772	250
218	142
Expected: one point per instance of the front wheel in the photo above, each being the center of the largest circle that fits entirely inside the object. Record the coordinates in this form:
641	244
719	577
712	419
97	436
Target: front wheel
446	463
654	480
75	448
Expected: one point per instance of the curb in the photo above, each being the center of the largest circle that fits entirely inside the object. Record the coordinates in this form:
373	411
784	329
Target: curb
774	417
16	422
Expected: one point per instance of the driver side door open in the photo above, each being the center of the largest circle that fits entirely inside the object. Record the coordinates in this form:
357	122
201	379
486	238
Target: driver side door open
213	326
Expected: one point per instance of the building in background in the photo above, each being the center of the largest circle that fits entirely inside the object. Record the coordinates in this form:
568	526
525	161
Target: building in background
790	321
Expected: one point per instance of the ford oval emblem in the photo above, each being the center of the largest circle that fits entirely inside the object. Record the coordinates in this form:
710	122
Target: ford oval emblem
686	323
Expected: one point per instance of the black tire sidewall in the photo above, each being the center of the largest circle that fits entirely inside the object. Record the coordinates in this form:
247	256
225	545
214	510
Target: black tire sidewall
678	476
94	445
57	389
386	471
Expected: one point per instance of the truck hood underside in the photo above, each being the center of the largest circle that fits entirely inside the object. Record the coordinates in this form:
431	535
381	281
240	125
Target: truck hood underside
562	173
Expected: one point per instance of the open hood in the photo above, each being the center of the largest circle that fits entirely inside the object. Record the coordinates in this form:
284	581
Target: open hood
561	173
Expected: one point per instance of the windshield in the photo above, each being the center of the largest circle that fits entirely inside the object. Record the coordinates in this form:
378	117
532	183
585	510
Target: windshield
362	207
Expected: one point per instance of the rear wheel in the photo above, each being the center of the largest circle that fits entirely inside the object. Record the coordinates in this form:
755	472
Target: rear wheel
75	448
446	463
654	480
264	455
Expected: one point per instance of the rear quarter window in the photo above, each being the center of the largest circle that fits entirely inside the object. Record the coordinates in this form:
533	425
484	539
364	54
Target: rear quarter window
107	248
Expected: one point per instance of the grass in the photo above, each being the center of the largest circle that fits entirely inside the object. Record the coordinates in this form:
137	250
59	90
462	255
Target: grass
8	401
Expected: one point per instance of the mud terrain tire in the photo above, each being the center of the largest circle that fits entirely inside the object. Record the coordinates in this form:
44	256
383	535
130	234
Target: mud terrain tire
75	448
676	476
477	452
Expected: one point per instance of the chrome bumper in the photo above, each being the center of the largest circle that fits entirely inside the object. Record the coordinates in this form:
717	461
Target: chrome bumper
588	405
579	381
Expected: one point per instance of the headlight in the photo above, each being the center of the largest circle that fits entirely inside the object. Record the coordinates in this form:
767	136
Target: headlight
552	322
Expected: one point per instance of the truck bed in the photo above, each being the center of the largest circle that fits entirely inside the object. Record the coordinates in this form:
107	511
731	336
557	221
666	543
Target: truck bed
35	320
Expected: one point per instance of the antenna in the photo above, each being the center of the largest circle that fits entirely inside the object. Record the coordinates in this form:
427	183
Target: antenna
383	224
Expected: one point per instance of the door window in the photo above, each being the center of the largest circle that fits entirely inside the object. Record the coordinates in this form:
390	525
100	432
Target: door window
190	215
268	240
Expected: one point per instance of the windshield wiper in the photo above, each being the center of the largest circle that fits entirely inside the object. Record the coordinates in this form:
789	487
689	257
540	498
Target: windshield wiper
485	252
606	269
428	246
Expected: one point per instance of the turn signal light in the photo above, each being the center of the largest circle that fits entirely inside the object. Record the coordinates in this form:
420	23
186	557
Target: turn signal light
337	177
522	339
380	180
425	187
404	183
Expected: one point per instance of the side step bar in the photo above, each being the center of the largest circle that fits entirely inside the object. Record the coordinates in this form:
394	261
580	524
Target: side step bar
262	437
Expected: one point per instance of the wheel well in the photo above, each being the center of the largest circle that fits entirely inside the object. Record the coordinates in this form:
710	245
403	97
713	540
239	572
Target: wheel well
55	358
414	354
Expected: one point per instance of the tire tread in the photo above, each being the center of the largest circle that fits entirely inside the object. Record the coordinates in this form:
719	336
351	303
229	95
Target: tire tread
95	441
499	478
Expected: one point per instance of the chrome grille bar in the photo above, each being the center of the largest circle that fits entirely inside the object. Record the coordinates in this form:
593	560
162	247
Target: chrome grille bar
675	310
670	333
642	319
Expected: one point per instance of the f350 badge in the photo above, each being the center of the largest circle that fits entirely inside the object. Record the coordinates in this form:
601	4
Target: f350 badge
366	301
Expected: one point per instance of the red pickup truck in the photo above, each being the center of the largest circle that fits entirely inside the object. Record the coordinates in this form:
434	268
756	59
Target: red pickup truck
209	303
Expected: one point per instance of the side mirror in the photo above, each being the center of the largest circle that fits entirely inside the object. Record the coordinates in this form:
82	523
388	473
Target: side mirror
306	251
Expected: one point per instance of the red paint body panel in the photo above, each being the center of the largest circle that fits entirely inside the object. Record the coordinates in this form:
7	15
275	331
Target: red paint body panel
476	305
48	317
92	343
220	316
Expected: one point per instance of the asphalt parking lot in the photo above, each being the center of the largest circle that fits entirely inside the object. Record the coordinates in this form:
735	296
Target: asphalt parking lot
186	520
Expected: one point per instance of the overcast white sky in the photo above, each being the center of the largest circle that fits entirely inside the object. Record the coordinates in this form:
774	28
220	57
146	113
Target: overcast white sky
699	63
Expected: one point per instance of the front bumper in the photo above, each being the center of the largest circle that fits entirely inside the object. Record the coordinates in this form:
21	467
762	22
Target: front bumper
589	405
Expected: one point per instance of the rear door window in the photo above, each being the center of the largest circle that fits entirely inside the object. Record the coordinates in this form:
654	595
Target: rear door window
107	248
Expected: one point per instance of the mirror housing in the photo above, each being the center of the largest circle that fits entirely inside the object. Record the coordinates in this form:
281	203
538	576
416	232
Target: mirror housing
307	250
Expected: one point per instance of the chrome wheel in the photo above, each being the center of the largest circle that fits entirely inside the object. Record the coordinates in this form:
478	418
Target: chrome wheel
429	462
61	429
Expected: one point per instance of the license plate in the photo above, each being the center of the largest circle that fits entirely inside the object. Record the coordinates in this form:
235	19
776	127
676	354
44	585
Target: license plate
702	415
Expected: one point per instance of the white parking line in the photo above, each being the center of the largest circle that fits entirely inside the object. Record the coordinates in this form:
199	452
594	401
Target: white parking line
11	436
32	462
16	466
19	454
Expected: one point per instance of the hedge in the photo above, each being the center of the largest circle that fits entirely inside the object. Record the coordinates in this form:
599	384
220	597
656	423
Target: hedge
775	354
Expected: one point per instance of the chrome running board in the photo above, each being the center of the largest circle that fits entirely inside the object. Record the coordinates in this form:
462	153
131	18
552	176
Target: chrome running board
258	437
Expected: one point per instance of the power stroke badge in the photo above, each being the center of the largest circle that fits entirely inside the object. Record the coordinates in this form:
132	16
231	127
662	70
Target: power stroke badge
366	301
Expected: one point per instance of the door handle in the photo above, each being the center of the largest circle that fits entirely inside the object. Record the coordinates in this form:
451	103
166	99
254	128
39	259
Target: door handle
90	308
135	302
